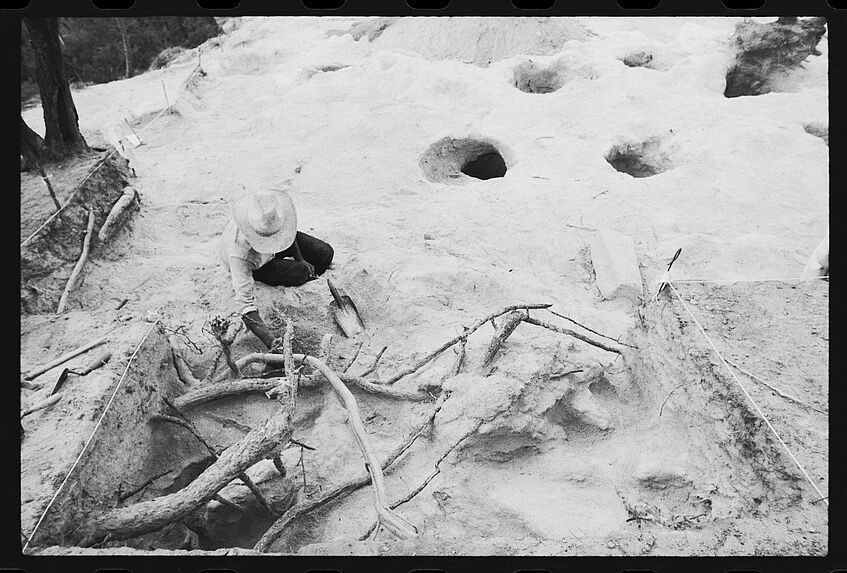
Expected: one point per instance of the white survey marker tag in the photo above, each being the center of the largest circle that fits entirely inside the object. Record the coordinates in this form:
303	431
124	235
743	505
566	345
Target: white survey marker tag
121	150
133	139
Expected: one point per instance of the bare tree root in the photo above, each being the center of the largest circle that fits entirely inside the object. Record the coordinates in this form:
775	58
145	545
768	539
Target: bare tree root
408	497
183	371
186	423
386	517
210	392
303	508
219	327
582	337
569	319
468	331
502	332
357	381
151	515
375	363
83	257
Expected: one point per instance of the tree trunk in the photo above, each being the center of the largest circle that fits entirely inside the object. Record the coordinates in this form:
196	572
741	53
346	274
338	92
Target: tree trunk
32	147
121	24
61	122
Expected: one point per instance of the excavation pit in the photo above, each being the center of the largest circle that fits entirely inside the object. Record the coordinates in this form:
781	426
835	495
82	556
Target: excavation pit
533	79
447	160
640	159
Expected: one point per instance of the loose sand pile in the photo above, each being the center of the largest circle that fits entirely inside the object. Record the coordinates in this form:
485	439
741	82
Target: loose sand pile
742	187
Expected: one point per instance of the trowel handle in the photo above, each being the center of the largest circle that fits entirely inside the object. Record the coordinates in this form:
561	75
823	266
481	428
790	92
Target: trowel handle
334	292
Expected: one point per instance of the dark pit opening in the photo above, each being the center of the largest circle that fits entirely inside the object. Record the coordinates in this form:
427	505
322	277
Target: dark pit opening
639	159
447	160
486	166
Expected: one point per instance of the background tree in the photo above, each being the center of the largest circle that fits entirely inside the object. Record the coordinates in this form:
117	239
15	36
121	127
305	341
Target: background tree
62	135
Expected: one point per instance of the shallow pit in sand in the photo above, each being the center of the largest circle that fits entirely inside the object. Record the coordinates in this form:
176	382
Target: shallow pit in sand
640	158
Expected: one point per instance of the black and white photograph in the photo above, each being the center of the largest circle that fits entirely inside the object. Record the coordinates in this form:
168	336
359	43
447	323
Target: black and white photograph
424	286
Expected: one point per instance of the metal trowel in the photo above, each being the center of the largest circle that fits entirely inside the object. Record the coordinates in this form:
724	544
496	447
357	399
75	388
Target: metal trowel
344	311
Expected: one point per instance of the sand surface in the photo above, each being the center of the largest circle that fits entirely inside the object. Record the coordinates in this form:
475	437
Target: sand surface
343	123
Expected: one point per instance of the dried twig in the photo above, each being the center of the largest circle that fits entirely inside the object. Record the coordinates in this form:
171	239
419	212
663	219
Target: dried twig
355	355
83	257
589	329
375	363
326	348
145	485
569	332
468	331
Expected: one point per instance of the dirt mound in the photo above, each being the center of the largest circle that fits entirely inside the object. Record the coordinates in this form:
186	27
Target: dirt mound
47	259
768	53
480	40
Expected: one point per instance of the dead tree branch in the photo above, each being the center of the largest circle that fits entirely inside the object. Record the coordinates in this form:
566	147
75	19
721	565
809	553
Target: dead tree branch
468	331
83	257
576	335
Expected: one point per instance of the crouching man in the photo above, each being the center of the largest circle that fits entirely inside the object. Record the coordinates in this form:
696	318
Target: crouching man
262	243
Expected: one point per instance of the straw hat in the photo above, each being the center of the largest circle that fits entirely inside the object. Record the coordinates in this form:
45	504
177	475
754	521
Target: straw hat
267	219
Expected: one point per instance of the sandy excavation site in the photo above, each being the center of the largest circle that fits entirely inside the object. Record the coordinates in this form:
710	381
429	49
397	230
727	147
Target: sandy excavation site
503	197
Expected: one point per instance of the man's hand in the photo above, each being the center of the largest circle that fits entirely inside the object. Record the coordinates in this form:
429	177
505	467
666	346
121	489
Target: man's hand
311	268
254	324
276	345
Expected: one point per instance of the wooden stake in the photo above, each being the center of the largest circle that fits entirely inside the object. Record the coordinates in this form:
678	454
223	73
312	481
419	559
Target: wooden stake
83	257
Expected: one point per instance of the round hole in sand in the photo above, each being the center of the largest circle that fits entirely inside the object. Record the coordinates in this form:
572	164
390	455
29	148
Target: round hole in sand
640	159
447	160
532	79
